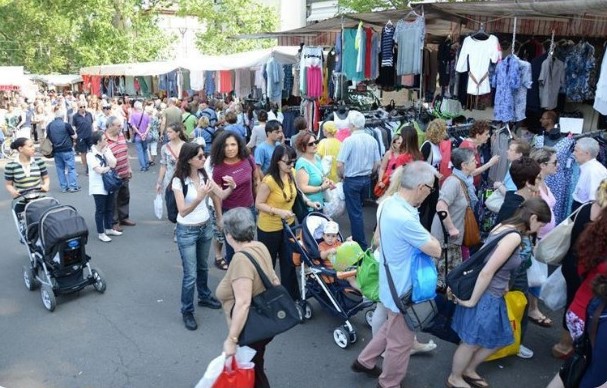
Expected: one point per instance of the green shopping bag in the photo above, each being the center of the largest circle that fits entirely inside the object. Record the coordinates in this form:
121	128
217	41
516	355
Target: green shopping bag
367	276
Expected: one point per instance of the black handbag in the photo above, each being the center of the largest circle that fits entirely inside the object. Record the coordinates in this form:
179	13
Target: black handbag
574	367
461	279
272	311
111	181
300	209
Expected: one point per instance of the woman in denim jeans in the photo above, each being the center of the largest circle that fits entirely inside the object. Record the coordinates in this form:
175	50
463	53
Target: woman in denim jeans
193	231
140	125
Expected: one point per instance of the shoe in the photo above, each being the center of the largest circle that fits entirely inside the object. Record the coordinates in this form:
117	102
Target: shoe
221	263
103	237
210	302
127	222
475	382
113	232
189	321
543	321
359	368
449	385
524	352
117	228
74	190
423	348
64	190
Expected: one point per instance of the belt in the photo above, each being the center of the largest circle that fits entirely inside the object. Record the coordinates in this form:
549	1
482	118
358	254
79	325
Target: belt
195	226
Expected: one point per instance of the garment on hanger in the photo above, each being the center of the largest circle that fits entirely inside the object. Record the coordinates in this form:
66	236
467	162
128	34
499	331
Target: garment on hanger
369	52
197	80
375	55
360	47
520	94
552	78
225	81
445	59
209	82
506	81
533	94
242	82
275	79
500	141
409	36
579	64
474	59
350	54
311	57
600	99
288	81
387	45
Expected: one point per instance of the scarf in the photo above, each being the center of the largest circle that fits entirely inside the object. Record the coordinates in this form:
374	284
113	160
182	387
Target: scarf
469	181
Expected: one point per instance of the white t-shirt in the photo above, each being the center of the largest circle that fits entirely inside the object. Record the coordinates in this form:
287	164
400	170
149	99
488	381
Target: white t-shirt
478	54
201	213
592	174
279	116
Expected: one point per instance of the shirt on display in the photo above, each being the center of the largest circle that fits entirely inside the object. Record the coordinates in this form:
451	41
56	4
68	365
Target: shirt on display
409	36
474	58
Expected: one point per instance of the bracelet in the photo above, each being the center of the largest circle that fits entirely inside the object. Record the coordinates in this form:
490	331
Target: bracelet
234	339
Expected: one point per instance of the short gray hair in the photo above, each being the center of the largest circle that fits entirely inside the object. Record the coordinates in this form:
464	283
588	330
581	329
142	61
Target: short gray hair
542	155
415	174
356	119
240	224
138	105
460	156
110	121
589	145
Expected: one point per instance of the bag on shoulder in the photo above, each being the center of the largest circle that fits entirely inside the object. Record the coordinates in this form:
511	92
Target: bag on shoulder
461	279
169	199
111	181
272	312
46	148
555	245
472	234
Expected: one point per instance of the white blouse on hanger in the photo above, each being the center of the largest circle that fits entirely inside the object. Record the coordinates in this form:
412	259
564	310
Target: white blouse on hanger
479	53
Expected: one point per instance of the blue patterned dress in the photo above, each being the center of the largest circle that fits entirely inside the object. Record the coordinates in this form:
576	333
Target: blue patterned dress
506	80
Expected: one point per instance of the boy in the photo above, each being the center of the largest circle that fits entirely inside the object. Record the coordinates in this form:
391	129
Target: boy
328	250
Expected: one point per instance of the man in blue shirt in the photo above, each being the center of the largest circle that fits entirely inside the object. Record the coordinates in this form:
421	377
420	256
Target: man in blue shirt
62	136
358	158
232	126
264	151
401	234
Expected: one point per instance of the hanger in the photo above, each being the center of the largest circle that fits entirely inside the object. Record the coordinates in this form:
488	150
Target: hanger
480	34
412	13
389	23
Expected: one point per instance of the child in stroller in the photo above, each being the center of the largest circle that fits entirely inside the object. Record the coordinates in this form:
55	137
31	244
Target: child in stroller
328	251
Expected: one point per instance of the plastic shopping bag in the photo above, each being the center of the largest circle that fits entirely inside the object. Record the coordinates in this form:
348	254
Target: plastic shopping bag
554	291
537	273
336	206
236	375
424	277
515	303
213	371
367	276
158	206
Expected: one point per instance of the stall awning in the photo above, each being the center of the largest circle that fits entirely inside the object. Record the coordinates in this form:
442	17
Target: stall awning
57	79
131	69
12	78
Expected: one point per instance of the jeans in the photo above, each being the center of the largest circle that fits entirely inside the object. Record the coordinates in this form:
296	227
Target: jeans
356	190
194	243
66	170
104	209
142	146
229	249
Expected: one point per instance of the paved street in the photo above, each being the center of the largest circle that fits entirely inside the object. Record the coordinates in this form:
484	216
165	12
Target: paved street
133	335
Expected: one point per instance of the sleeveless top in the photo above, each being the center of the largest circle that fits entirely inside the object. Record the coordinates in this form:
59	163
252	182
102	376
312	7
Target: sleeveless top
499	283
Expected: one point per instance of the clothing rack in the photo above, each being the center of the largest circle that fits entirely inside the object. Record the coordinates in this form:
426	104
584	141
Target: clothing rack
595	133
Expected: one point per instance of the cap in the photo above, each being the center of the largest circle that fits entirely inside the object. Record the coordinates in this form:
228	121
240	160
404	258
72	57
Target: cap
331	227
106	105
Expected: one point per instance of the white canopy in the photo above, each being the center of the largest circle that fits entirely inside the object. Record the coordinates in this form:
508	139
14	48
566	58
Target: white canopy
57	79
131	69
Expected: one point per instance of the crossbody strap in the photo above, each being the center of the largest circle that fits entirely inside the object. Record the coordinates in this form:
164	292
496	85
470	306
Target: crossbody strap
465	188
171	151
264	279
595	323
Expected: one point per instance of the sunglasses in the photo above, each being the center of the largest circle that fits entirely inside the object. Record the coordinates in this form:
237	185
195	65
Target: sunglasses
313	143
107	107
289	163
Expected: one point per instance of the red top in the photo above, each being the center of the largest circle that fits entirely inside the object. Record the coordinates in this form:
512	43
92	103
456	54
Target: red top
121	152
470	145
369	51
242	172
584	293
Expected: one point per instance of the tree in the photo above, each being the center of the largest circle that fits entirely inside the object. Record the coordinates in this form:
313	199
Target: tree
225	19
64	35
371	5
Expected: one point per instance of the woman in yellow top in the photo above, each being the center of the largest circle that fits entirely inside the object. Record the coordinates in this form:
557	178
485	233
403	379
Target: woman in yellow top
329	148
275	197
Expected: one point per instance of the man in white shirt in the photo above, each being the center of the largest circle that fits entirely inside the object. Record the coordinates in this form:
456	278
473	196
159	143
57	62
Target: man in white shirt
592	172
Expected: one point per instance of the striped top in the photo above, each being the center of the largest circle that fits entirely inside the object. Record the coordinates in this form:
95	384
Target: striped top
387	46
121	152
25	176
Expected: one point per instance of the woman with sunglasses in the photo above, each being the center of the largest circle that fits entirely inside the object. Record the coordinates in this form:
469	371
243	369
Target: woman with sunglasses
193	231
309	176
274	201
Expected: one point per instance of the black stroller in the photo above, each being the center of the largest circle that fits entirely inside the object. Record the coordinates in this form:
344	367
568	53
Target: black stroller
55	236
336	295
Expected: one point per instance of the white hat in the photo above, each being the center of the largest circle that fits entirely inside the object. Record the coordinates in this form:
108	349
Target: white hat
331	227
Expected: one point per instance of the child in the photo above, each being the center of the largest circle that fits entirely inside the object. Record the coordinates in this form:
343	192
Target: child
328	250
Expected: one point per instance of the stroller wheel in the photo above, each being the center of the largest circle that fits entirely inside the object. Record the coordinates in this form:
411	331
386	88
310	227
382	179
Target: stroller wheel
28	278
341	337
307	309
48	297
100	284
369	317
353	337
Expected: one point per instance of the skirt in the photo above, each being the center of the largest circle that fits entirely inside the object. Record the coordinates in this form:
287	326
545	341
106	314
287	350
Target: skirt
486	324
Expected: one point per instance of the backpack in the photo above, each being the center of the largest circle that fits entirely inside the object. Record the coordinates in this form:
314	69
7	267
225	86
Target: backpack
169	199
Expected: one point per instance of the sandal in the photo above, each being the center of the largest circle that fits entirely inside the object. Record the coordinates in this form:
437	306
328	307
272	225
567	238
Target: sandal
476	382
543	321
221	263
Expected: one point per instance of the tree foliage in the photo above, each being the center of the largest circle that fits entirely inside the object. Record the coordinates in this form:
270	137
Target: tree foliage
64	35
371	5
225	19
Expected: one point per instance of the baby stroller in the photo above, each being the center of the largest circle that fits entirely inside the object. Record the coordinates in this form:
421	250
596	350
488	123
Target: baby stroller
55	236
336	295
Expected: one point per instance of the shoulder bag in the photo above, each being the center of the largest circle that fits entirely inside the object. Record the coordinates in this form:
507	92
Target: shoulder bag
418	316
272	312
462	279
46	147
472	234
111	181
555	245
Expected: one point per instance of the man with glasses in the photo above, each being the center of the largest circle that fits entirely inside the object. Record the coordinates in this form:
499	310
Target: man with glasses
101	122
264	151
82	121
358	158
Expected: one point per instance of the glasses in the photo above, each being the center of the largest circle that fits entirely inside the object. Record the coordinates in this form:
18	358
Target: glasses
107	107
313	143
82	107
288	163
429	188
553	163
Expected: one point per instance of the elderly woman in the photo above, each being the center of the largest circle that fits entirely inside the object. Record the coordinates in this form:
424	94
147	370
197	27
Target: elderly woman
140	123
308	170
274	201
436	153
25	172
328	148
453	199
479	134
193	231
242	282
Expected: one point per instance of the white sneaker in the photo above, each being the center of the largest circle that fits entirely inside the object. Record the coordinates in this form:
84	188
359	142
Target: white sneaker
103	237
113	232
524	352
423	348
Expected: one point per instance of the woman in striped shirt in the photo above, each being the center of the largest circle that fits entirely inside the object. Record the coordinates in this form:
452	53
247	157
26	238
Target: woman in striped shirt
25	172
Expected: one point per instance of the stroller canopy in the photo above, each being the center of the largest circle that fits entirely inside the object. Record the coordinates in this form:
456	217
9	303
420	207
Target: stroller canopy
59	224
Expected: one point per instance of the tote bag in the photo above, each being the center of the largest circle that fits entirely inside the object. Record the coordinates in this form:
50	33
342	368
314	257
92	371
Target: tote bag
515	303
555	245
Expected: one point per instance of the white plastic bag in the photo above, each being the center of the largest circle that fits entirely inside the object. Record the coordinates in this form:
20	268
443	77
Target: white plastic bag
537	273
554	291
244	356
337	205
158	206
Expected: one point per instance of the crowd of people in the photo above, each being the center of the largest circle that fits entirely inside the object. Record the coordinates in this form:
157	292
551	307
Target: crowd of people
236	178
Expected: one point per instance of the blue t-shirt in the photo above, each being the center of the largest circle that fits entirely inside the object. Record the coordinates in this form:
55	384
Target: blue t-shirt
263	155
401	235
315	176
238	129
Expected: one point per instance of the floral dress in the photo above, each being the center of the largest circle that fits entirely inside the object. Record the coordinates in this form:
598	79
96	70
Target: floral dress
168	158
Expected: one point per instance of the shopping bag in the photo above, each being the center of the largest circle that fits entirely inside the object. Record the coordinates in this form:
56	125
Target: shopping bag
337	204
441	325
537	273
367	275
236	375
554	291
424	277
213	371
158	206
495	201
515	303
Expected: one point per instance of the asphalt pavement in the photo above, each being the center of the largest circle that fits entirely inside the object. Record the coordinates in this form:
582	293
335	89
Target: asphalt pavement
133	335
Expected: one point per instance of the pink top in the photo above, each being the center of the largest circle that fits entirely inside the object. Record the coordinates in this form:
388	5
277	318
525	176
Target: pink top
342	134
551	201
242	172
391	163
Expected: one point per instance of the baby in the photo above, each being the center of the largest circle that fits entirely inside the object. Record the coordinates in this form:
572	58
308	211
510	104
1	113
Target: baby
328	250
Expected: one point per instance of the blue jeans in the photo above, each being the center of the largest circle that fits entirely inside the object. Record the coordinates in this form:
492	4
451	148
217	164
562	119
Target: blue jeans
104	211
194	243
66	161
356	190
142	147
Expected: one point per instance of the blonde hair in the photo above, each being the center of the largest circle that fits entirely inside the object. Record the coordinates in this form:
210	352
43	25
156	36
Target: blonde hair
394	183
330	127
436	131
601	194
